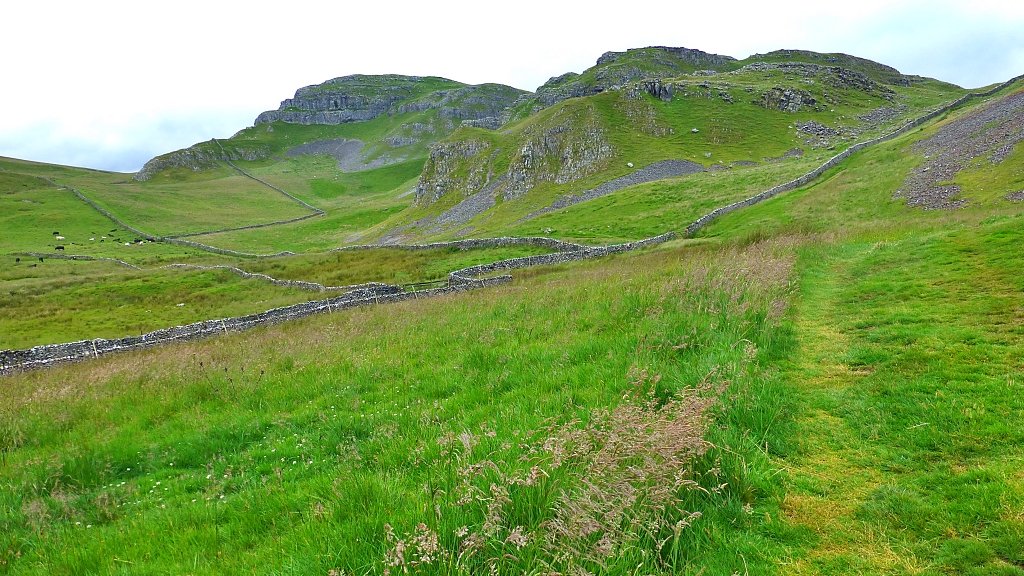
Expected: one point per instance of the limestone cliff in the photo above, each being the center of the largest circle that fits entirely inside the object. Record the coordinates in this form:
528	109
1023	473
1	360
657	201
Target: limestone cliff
360	98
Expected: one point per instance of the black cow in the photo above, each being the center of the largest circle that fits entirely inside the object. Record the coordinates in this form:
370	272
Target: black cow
17	260
58	247
56	233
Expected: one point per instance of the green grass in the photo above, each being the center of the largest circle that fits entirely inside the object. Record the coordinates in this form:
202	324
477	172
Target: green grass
848	371
384	265
909	379
241	455
207	201
62	301
30	215
353	202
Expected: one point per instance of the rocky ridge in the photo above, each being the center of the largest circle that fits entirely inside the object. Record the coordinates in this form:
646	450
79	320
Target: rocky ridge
199	157
360	98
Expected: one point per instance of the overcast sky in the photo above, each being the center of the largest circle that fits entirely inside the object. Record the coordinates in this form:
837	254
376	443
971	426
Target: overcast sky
111	84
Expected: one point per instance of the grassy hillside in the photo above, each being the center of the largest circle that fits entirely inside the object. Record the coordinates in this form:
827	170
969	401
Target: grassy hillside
827	382
186	203
736	127
51	301
318	448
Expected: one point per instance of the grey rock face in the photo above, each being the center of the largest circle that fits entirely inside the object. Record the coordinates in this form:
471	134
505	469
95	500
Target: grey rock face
350	154
786	99
439	176
613	69
571	147
197	158
568	151
816	129
361	98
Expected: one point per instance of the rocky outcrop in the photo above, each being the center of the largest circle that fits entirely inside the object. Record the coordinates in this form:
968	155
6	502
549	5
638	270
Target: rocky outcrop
613	70
360	98
879	72
355	98
199	157
567	147
573	148
452	167
786	99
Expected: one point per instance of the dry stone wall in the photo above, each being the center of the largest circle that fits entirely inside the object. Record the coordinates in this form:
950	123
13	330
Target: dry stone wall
458	281
300	284
472	243
835	160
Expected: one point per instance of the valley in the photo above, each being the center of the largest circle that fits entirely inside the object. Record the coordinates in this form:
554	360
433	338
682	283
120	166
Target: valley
679	313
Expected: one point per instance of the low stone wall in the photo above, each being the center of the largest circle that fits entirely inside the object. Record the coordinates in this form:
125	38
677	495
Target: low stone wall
77	257
367	294
469	275
832	162
250	227
300	284
265	183
103	211
472	243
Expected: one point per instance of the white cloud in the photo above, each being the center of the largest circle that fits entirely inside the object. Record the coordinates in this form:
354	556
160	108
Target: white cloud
110	84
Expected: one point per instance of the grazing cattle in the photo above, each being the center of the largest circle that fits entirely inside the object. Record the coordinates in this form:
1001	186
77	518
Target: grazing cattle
56	233
59	238
58	247
40	258
17	259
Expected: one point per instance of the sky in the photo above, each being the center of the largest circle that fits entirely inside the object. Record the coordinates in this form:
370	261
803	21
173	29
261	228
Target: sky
109	85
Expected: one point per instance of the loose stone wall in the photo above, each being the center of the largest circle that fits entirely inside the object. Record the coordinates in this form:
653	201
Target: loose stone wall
832	162
367	294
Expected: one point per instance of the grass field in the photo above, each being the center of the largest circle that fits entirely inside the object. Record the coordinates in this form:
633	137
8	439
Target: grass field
52	301
227	198
828	382
236	449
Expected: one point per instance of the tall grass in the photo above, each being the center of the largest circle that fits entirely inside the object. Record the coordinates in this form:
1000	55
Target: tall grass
618	409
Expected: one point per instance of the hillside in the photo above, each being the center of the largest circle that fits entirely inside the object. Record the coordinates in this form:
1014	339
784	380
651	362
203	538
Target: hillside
825	380
446	160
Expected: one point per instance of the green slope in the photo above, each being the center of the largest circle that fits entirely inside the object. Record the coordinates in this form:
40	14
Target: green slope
827	382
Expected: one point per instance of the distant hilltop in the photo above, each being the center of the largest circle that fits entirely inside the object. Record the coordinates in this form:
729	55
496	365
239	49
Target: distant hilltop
432	109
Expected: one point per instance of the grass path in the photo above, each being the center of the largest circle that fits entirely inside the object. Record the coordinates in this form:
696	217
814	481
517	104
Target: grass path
909	377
